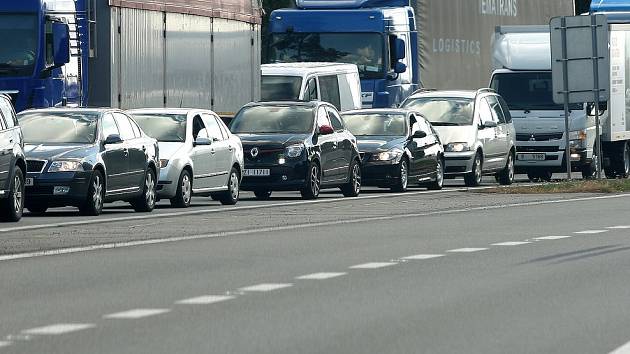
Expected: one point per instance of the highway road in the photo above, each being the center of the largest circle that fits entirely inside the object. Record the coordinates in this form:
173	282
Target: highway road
446	272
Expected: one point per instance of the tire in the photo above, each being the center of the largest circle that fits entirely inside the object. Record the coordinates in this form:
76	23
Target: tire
145	203
353	187
622	168
39	209
183	196
590	171
313	182
230	197
93	204
403	172
546	176
262	194
12	207
439	176
473	179
506	176
539	176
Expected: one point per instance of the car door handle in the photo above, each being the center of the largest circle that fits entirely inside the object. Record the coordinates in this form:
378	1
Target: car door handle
335	144
212	151
230	148
126	152
144	148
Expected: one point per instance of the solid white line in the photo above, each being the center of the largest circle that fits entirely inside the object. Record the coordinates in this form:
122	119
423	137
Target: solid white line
59	328
136	313
467	250
266	287
320	276
551	237
373	265
620	227
422	256
5	344
624	349
591	232
204	300
511	243
288	227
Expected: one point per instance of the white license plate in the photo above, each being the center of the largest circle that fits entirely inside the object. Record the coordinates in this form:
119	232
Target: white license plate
29	182
531	157
256	172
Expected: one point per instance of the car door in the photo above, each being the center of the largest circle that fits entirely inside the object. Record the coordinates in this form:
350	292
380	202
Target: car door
201	156
6	153
327	145
426	149
488	136
220	149
502	129
133	149
116	161
342	155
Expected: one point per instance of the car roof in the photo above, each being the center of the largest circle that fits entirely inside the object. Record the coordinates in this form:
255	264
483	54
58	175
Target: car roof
300	69
73	109
380	111
446	93
308	104
169	111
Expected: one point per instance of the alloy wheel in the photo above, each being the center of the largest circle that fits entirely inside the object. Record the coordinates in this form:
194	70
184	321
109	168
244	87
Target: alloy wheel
510	168
186	189
439	178
404	175
315	183
234	187
97	186
150	188
17	194
478	169
356	178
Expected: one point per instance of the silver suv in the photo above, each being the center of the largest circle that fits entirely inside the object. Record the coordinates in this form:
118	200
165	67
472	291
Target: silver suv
12	163
476	130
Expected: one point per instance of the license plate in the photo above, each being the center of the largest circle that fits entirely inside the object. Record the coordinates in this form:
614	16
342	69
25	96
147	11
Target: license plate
256	172
29	182
531	157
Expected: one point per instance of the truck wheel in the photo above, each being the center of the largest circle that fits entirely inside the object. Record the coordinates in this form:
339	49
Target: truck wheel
590	171
623	166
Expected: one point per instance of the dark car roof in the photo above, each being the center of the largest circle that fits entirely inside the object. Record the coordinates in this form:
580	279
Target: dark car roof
380	111
311	104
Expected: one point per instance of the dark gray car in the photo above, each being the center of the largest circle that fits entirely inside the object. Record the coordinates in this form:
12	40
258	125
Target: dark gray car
12	163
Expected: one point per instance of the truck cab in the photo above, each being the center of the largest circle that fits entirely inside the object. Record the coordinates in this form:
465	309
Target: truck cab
380	39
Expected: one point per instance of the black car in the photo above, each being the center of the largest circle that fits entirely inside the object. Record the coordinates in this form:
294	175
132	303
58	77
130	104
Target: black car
83	157
12	163
398	147
296	146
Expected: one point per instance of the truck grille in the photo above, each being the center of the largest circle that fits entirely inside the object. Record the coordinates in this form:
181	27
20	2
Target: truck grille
36	166
539	136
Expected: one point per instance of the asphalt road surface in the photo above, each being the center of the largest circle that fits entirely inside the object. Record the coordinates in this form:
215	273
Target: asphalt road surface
447	272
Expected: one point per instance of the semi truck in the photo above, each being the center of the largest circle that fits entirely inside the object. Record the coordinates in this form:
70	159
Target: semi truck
402	45
130	53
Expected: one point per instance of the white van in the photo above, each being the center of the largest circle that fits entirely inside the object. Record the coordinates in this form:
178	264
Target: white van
335	83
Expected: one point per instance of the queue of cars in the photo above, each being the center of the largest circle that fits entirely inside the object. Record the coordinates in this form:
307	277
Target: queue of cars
85	157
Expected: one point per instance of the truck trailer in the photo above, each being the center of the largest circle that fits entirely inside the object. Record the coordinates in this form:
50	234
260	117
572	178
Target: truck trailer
130	53
401	45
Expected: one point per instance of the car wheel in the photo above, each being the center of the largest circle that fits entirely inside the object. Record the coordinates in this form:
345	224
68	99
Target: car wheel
183	196
546	176
262	194
146	201
313	182
473	179
37	209
506	176
13	206
230	197
439	176
93	204
403	173
353	187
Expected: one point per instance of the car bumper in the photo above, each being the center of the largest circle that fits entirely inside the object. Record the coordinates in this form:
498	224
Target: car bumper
168	182
458	163
64	188
379	175
287	177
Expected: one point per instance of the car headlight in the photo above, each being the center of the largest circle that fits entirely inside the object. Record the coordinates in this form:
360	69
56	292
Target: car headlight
577	135
387	155
294	150
456	147
163	163
66	166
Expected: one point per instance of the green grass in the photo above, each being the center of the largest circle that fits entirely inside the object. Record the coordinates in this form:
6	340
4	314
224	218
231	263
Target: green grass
579	186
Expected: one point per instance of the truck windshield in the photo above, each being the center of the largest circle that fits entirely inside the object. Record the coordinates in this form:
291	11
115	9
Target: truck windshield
527	91
376	124
443	110
273	120
59	127
280	88
363	49
19	44
163	127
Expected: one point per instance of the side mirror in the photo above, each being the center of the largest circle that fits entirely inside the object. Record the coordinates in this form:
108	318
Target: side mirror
326	130
399	47
419	135
400	67
590	108
488	124
202	142
113	139
61	44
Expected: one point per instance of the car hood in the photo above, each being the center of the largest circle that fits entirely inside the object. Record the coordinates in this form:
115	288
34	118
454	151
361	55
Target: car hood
169	149
379	143
458	134
272	139
58	151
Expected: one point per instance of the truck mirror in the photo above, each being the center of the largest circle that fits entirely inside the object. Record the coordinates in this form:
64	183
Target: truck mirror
400	68
61	44
590	108
399	47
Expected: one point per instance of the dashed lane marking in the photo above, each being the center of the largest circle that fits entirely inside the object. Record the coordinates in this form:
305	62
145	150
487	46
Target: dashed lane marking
5	344
619	227
511	243
136	314
373	265
551	237
320	276
624	349
265	287
467	250
59	328
422	256
205	300
591	232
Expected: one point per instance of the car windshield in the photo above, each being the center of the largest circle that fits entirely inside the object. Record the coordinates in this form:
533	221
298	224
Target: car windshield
363	49
163	127
59	127
19	44
376	124
443	110
528	91
273	119
280	88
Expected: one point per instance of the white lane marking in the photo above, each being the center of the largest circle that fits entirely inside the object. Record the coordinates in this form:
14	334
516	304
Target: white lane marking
551	237
5	344
422	256
108	246
591	232
624	349
320	276
467	250
136	313
511	243
373	265
266	287
205	300
620	227
59	328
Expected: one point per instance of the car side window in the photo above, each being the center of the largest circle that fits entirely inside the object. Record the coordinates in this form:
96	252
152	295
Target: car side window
335	120
485	114
505	109
329	86
311	90
424	125
124	126
136	129
109	126
8	113
322	117
3	125
224	128
497	112
214	131
199	129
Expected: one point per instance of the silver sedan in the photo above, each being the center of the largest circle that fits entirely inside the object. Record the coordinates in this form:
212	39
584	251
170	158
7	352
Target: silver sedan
198	154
